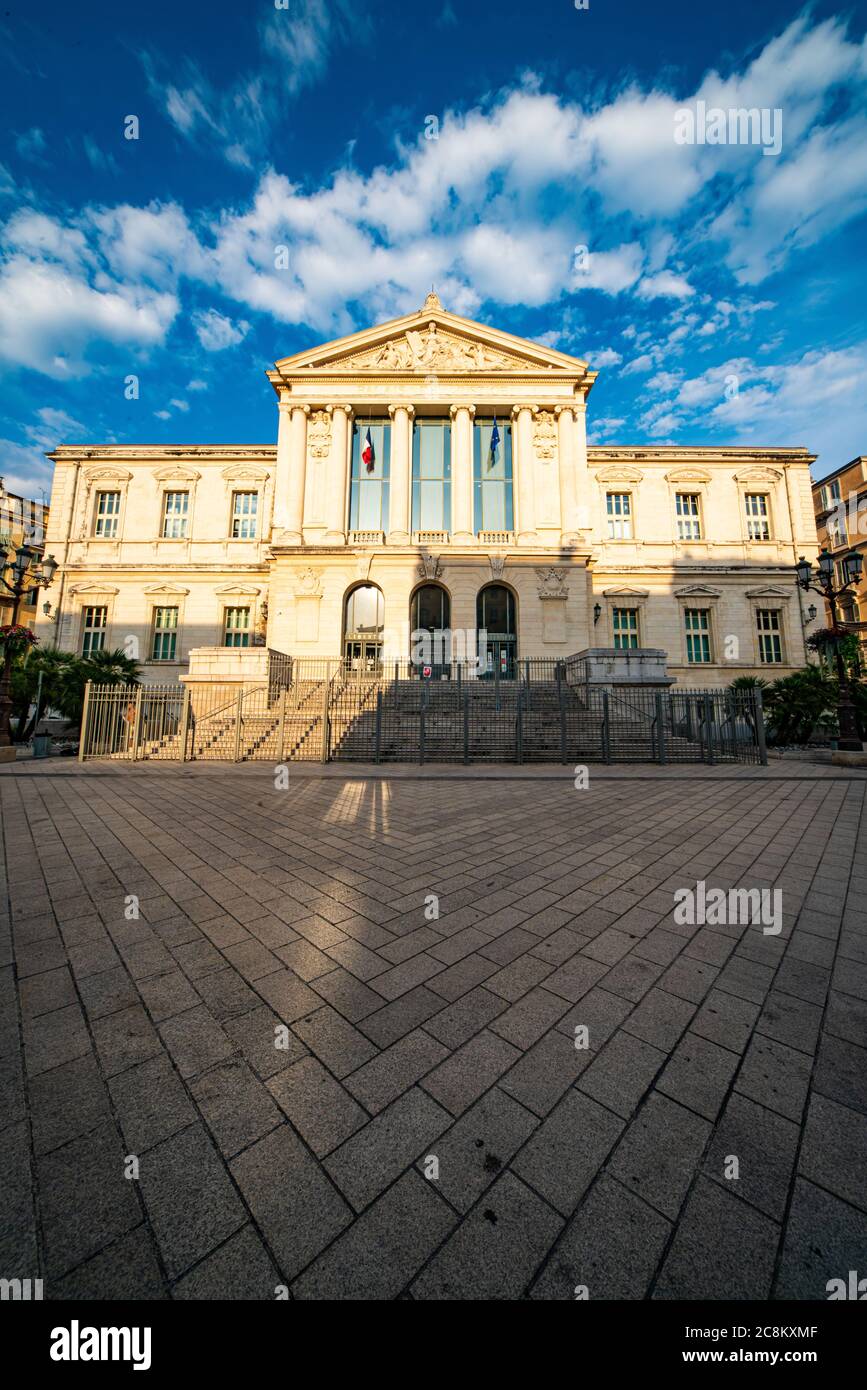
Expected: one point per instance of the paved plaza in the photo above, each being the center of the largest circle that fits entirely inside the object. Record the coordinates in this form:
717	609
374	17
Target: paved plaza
329	1039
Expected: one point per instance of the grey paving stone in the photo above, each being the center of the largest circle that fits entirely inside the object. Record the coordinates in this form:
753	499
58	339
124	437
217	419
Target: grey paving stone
349	996
461	944
847	1018
539	1079
518	978
371	1159
167	995
236	1106
469	1071
288	996
776	1076
722	1249
699	1075
18	1252
805	981
256	1035
378	1082
660	1018
746	978
660	1152
621	1073
834	1150
611	1248
495	1251
824	1239
575	978
462	977
124	1039
632	977
226	994
726	1019
402	978
151	1104
566	1152
107	992
240	1270
305	959
690	979
85	1200
340	1046
316	1105
841	1072
599	1012
41	994
479	1146
395	1020
189	1198
195	1041
67	1101
525	1022
382	1250
127	1269
459	1021
52	1039
764	1144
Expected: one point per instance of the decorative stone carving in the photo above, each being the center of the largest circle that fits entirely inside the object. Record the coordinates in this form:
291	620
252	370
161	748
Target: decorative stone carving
319	435
429	350
545	435
551	583
498	564
309	583
430	567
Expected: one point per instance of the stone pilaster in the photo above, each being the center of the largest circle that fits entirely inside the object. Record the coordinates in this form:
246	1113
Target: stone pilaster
568	486
580	471
524	463
291	472
338	473
400	474
462	473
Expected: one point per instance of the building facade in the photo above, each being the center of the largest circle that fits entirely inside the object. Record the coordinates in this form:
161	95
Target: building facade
840	503
22	522
432	475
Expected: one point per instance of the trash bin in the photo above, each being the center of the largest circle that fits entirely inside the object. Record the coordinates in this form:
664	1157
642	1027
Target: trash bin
41	745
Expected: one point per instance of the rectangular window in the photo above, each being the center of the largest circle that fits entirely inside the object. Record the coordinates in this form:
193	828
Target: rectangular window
236	627
625	627
107	514
758	523
618	506
492	476
770	637
697	635
175	511
837	533
688	516
165	638
245	506
368	494
95	621
431	476
830	494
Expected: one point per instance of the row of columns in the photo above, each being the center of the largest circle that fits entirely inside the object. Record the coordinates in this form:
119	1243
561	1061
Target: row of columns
292	468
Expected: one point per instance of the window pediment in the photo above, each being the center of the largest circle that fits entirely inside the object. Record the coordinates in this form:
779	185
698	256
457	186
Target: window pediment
697	591
687	475
622	473
245	473
758	475
770	591
626	592
177	473
175	590
107	475
95	590
238	591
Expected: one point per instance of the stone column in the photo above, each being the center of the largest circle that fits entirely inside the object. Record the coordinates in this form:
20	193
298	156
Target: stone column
568	489
462	473
338	473
400	471
581	472
524	463
291	470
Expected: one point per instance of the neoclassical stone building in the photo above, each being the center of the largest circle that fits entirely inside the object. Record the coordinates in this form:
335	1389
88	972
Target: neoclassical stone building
431	474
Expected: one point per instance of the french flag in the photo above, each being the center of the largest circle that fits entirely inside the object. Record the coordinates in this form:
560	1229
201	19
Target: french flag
367	454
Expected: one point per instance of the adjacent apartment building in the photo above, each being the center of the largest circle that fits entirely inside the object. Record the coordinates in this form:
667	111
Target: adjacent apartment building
840	502
432	474
22	522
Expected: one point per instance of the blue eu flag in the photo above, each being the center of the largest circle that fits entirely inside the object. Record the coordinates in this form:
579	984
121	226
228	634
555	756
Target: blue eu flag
495	443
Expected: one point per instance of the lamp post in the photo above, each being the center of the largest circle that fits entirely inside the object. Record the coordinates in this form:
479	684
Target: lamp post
28	572
822	582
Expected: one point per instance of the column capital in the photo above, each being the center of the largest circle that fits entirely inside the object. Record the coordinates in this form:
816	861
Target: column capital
296	405
453	410
347	410
402	405
563	410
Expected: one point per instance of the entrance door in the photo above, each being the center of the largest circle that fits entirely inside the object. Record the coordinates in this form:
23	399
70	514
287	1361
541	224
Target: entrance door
495	616
363	629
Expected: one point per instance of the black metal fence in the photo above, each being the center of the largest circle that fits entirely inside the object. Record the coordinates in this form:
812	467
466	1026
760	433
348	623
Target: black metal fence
334	712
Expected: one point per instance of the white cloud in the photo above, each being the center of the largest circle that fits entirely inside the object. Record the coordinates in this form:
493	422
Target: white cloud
664	285
605	357
215	331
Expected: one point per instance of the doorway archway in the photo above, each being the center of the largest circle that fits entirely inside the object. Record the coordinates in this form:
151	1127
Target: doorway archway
496	617
363	625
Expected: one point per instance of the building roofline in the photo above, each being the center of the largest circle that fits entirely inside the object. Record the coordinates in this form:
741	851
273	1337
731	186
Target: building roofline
836	472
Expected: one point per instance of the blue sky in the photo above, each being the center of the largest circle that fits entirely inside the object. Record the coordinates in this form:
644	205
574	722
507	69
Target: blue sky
720	290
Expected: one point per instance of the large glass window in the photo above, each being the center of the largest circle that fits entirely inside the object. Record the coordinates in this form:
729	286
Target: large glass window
688	516
758	521
165	634
625	627
492	473
697	635
176	506
245	505
618	507
363	621
236	627
770	637
368	496
94	623
431	476
107	514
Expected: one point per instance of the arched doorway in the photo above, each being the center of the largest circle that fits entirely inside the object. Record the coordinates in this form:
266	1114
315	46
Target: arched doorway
496	618
430	629
363	623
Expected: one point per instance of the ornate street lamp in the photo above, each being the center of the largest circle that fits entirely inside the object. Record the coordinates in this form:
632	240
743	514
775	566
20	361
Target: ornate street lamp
28	572
822	582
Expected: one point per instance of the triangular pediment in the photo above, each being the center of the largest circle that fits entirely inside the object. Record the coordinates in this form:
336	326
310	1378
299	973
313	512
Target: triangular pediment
432	341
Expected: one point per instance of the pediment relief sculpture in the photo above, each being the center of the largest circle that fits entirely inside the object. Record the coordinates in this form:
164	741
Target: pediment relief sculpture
758	475
242	473
688	475
426	350
621	474
176	474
